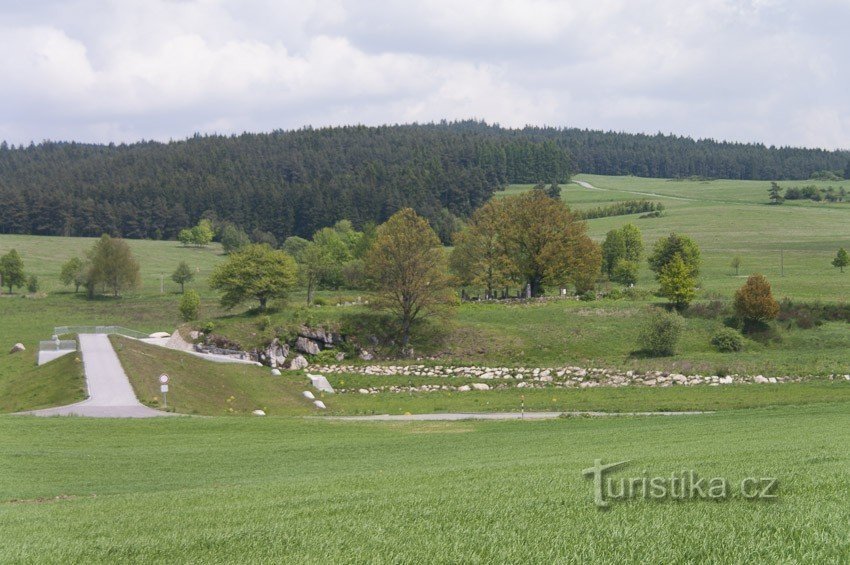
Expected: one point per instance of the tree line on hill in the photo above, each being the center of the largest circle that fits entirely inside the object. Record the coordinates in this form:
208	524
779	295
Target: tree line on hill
283	183
289	183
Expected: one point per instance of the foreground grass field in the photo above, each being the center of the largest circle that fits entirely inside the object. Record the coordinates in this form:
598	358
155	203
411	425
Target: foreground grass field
271	490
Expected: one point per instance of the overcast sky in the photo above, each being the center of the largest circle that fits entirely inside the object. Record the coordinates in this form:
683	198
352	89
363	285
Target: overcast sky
95	70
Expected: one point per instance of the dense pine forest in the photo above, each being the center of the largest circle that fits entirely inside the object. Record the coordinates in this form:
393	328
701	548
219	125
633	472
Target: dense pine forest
295	182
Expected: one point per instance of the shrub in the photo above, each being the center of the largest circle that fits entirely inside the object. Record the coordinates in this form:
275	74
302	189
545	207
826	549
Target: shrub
190	305
32	284
709	310
661	334
727	340
636	293
208	328
587	296
265	322
319	301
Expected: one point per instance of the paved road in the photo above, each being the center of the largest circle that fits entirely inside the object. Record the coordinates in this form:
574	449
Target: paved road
499	416
110	393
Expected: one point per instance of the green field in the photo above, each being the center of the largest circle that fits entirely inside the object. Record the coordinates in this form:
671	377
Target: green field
273	490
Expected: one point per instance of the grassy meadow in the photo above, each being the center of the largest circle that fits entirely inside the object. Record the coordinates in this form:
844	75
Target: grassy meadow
277	489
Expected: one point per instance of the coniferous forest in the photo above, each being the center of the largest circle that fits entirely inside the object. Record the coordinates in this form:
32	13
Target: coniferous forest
295	182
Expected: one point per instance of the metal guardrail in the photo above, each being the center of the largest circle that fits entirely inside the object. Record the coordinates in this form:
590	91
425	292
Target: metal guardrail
110	330
58	345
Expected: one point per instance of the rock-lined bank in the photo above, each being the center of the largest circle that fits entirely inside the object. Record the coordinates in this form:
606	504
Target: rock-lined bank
566	377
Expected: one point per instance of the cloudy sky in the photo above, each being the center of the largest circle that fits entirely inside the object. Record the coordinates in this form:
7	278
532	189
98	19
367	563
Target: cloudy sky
746	70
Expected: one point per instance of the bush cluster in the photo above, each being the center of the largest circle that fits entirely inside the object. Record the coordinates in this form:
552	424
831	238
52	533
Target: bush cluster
727	340
661	334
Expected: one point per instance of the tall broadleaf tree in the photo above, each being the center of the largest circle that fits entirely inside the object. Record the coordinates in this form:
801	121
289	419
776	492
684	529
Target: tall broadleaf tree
408	267
255	272
12	270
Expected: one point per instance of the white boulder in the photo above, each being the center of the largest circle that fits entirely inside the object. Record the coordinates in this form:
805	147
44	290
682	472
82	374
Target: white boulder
275	372
298	363
308	395
18	347
319	404
480	386
258	413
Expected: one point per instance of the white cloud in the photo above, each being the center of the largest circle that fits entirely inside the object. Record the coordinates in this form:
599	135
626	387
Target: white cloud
765	70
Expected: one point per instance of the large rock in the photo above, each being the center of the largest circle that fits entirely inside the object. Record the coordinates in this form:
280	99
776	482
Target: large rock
298	363
276	353
480	386
275	372
18	347
317	334
365	355
306	345
159	335
258	413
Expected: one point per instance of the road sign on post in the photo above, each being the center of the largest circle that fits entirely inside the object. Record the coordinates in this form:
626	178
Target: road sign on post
163	388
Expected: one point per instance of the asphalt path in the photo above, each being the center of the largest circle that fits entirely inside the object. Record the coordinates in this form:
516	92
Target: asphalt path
109	390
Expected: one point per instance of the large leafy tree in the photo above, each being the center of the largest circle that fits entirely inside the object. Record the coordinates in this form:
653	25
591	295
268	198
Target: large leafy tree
315	262
12	270
112	265
255	272
73	273
545	243
613	251
677	282
668	247
407	264
478	257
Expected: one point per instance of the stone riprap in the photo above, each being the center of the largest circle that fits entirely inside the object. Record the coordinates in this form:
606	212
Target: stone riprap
501	378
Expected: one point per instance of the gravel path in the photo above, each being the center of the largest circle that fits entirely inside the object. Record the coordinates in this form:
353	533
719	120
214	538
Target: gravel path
500	416
110	393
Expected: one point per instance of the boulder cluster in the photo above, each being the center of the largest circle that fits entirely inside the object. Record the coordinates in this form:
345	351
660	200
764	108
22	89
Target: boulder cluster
309	341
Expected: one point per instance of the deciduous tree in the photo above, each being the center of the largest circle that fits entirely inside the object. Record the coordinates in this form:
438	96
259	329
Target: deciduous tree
677	282
73	273
841	259
667	248
545	243
479	257
255	272
408	266
112	265
12	270
182	274
754	302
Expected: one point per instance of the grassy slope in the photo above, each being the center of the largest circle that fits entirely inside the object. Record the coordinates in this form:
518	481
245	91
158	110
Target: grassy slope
26	387
250	490
204	387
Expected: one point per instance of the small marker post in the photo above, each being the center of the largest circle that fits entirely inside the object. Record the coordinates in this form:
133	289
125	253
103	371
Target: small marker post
163	388
522	407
